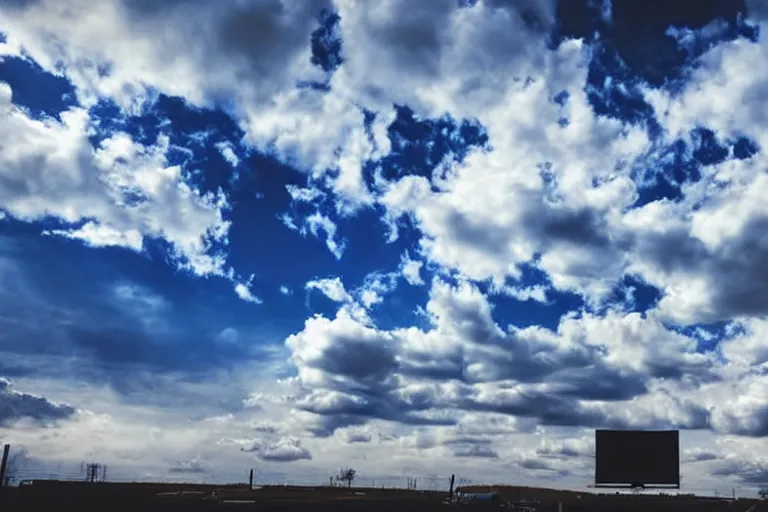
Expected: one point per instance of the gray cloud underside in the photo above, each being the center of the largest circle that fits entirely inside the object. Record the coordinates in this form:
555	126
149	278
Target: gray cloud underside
16	406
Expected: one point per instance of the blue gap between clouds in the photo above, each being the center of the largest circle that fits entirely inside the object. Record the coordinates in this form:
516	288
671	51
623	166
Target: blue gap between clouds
260	244
368	249
715	333
418	145
640	33
632	295
326	42
661	174
73	277
511	311
39	92
653	43
192	132
326	45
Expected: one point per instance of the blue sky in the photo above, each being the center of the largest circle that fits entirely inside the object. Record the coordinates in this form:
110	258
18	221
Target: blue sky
453	234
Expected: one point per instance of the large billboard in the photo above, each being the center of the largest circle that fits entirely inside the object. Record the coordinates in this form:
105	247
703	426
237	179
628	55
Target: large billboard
637	458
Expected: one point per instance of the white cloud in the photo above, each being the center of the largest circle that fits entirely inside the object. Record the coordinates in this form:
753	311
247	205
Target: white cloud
212	54
411	270
96	235
702	251
50	169
285	290
243	290
227	150
318	224
586	372
535	192
537	293
332	288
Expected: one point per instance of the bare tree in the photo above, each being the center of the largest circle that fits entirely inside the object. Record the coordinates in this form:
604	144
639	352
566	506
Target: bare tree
763	493
346	475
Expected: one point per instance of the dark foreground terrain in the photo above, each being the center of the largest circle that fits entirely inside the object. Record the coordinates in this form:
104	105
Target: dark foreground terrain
139	497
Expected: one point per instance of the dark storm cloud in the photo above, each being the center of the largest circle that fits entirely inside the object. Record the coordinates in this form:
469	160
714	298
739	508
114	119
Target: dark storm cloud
548	409
535	14
535	465
263	32
283	450
755	424
358	437
425	366
361	360
336	410
735	270
747	472
601	382
324	425
417	41
472	447
699	456
578	227
367	381
16	406
479	236
189	467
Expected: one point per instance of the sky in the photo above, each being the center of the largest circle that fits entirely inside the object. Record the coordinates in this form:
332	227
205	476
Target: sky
413	238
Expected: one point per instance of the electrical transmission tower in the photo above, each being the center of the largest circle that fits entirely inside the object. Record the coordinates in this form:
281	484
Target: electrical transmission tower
95	472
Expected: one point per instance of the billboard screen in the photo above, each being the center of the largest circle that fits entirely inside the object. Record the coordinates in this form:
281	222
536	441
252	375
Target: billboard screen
637	457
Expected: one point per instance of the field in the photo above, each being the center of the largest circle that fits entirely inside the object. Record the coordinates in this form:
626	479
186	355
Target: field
51	495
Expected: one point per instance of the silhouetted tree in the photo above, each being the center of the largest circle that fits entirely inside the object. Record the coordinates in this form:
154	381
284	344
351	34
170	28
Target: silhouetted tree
346	475
763	493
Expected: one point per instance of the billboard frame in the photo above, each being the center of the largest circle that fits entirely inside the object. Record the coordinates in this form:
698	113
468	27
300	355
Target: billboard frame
637	485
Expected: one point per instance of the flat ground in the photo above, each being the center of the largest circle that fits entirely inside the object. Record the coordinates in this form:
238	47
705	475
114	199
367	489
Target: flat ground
49	496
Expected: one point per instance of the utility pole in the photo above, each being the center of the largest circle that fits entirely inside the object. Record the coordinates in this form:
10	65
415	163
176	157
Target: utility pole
453	478
4	464
250	480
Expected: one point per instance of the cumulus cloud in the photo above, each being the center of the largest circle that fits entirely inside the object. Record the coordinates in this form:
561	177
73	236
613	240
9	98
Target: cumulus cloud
584	374
16	406
117	194
178	61
285	449
566	448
